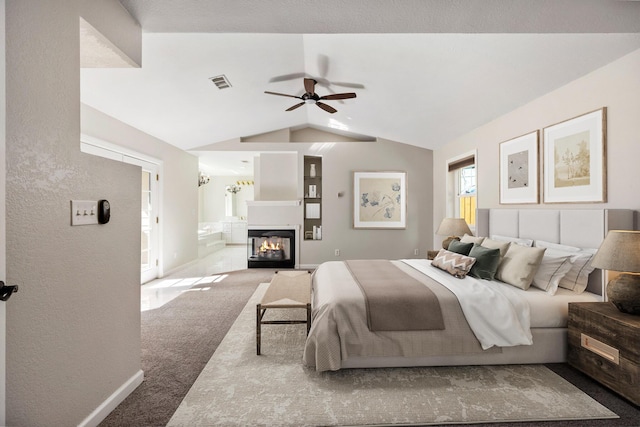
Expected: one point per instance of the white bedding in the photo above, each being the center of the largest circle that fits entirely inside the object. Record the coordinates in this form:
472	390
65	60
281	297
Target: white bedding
505	324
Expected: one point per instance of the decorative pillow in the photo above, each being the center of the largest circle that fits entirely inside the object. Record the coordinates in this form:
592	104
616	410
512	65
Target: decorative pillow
519	265
494	244
551	270
578	277
516	240
456	264
487	261
471	239
459	247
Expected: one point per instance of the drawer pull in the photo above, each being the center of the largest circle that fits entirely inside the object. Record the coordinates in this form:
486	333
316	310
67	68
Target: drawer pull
600	348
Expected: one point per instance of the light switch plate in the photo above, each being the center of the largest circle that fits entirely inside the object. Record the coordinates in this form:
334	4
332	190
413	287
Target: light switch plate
84	212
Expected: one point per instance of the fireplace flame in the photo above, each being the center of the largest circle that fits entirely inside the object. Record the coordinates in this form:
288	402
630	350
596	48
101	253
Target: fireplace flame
270	245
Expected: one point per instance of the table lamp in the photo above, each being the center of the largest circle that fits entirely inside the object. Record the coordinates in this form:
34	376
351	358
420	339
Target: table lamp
452	227
620	251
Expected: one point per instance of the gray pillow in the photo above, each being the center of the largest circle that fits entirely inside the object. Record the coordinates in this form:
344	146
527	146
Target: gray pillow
460	247
519	265
486	264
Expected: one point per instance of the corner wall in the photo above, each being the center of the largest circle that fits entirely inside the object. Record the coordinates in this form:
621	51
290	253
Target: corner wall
73	330
615	86
179	182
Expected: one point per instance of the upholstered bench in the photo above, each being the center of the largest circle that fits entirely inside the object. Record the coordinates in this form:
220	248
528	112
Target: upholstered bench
288	289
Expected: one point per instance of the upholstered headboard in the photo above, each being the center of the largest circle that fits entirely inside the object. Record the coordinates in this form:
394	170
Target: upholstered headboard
584	228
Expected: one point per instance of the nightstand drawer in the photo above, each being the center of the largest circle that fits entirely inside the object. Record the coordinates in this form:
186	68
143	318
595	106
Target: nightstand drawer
603	343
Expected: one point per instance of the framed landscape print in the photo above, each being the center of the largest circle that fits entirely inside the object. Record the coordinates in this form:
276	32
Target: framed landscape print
575	159
519	169
380	200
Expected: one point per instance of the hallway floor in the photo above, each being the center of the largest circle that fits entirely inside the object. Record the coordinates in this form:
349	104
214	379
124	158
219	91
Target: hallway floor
158	292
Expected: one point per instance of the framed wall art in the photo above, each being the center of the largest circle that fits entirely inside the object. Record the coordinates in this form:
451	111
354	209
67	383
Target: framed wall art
380	200
519	169
575	159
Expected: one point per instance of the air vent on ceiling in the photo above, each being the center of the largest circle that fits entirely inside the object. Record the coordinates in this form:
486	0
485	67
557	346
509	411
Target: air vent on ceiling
221	81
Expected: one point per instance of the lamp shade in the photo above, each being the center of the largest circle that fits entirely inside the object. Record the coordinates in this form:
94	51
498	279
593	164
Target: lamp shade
620	251
453	227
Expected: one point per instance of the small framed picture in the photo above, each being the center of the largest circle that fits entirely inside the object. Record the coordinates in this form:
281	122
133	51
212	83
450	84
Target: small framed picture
380	200
519	169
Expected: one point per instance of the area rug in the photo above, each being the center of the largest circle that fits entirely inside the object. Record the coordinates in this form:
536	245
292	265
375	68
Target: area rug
238	388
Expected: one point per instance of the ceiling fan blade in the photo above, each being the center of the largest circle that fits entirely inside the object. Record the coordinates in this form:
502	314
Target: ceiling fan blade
285	77
282	94
325	107
309	85
339	96
295	106
351	85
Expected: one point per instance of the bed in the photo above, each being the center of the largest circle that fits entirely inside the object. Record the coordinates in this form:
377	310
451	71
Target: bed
341	336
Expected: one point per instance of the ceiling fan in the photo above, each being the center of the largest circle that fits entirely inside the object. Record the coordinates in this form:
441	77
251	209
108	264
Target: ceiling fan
311	97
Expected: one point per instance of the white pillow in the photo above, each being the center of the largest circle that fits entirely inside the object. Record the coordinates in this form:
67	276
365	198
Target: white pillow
556	246
552	269
519	266
516	240
577	277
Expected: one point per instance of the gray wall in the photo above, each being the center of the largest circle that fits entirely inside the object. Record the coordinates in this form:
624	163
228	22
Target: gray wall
73	331
339	161
615	86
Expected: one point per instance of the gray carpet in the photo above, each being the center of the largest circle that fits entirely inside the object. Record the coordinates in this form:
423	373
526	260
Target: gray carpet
174	353
178	339
238	388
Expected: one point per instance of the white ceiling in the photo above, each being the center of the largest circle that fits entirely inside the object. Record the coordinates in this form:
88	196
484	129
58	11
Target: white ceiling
424	71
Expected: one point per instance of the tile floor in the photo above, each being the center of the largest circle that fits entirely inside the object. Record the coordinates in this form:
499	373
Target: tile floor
158	292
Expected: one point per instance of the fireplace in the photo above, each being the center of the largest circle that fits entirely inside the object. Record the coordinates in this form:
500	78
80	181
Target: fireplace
271	248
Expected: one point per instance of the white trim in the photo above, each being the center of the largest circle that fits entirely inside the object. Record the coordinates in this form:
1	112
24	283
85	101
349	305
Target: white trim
115	149
105	408
274	202
451	189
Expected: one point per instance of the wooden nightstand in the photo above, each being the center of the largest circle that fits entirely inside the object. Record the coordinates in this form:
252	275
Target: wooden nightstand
604	343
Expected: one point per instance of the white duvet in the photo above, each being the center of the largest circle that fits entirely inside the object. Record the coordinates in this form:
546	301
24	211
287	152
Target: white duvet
497	315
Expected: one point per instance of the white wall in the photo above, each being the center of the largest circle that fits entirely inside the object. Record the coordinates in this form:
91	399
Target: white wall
615	86
73	330
212	198
179	182
278	176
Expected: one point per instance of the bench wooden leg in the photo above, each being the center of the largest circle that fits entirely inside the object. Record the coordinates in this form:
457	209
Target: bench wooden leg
308	318
258	324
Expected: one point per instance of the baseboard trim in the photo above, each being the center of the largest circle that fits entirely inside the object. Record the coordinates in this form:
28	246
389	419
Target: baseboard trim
101	412
307	266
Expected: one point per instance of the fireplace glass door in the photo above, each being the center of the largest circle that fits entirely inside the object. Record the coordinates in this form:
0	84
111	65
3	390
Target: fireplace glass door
271	249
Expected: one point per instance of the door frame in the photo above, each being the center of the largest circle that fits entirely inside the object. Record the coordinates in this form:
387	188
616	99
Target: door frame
3	228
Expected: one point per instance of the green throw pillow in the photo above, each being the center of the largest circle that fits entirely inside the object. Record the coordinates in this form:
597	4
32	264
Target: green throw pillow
487	261
459	247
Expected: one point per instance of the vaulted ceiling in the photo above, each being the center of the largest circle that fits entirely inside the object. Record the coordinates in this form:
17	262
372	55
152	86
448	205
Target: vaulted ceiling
424	71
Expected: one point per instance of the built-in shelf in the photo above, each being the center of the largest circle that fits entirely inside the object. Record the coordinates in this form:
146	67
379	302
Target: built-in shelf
312	198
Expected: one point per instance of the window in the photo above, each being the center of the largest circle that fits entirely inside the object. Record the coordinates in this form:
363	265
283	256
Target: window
462	189
466	206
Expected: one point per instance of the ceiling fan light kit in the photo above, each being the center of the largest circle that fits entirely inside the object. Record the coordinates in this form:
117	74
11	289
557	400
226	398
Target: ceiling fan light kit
311	97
